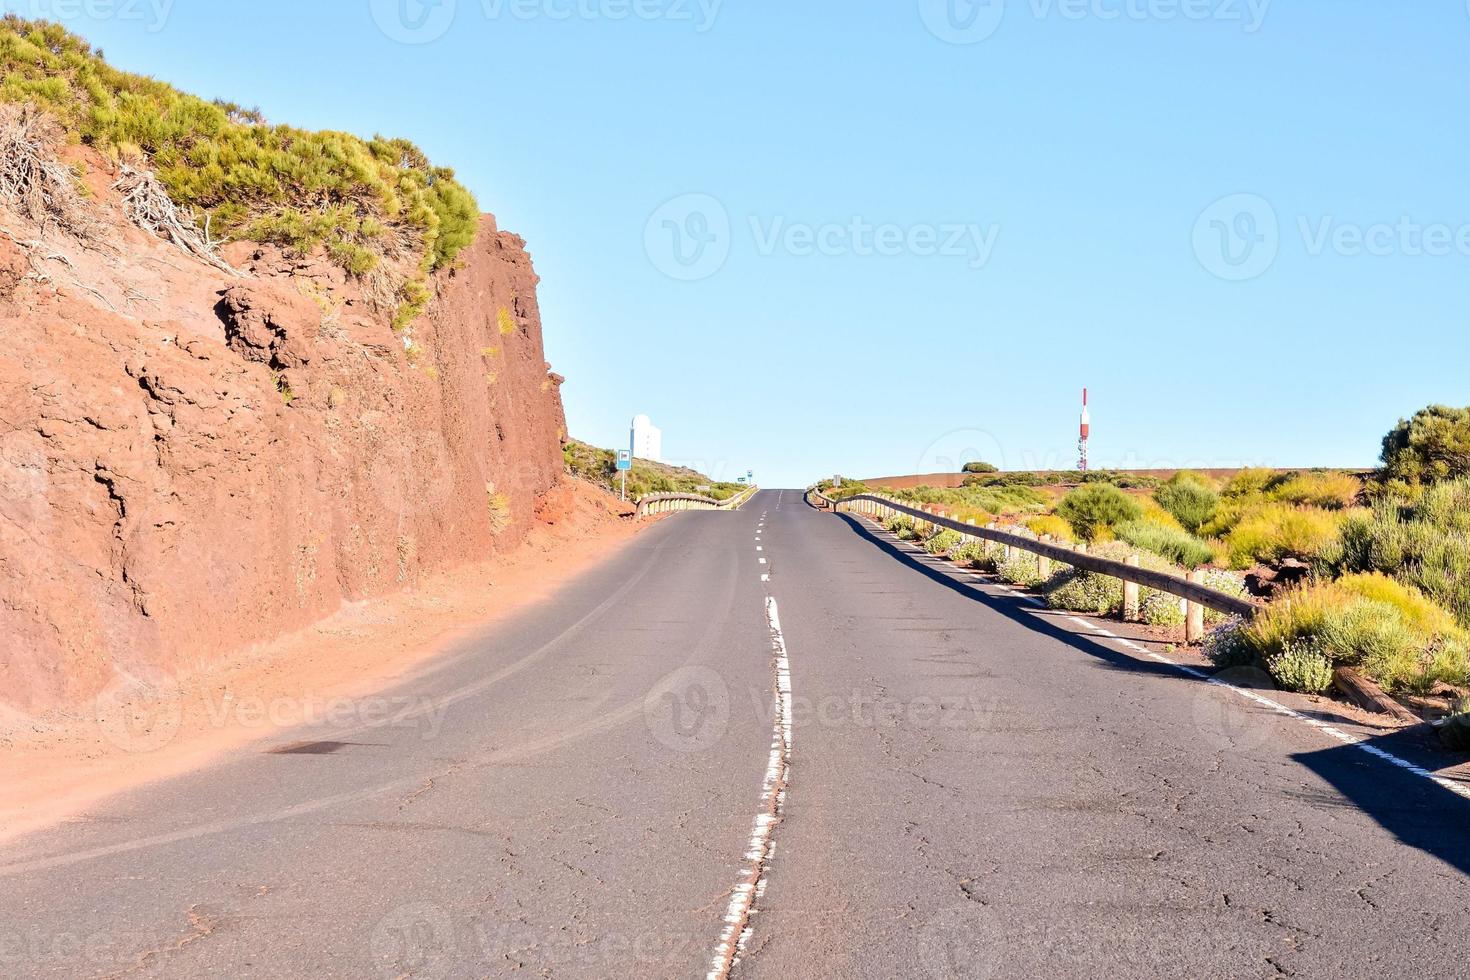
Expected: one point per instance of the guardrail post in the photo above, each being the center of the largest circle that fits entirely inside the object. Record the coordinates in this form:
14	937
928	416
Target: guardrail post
1131	610
1194	613
1043	563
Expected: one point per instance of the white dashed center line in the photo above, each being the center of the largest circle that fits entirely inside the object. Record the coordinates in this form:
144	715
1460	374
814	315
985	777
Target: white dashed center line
752	883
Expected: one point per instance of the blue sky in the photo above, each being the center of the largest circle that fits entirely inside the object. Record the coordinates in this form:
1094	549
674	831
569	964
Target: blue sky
926	224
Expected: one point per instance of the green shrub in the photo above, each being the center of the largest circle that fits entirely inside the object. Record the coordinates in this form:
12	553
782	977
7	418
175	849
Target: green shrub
1416	608
980	467
1432	446
1158	516
1189	500
901	525
848	489
1332	491
1274	532
1123	481
1085	592
1051	524
1227	645
1082	591
1424	542
1246	483
1304	665
1006	480
1021	569
1180	547
1162	609
1229	583
970	554
1229	514
1096	506
941	543
1390	640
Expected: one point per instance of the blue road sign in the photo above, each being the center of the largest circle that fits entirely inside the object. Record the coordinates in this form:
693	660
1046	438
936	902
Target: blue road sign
625	460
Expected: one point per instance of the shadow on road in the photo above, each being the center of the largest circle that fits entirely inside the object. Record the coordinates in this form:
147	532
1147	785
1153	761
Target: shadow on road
1420	813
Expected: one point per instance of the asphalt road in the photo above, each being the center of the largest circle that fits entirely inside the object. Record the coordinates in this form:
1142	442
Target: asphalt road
778	727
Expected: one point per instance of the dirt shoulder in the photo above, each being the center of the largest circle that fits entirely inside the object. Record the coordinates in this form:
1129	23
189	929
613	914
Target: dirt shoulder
150	728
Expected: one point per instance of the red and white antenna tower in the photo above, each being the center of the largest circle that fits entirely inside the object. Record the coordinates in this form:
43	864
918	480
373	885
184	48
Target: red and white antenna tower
1086	433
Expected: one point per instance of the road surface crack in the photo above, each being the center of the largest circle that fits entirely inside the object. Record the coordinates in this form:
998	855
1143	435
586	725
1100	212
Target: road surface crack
201	926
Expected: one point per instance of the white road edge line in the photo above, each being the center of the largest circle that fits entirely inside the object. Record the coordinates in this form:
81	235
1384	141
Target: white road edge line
752	882
1347	738
1332	731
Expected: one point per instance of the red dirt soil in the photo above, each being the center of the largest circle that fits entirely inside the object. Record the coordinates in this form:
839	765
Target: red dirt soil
56	766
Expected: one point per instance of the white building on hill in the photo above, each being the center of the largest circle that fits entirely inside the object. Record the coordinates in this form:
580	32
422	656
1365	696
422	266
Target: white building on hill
648	440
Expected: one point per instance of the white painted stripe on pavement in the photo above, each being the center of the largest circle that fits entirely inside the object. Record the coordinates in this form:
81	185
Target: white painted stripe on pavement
1347	738
737	931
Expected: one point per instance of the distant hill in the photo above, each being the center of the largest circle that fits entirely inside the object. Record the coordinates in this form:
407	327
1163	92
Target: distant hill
600	466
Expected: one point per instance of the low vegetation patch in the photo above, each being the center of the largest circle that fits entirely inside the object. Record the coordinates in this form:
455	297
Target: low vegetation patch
943	541
1179	546
1271	533
1393	633
971	554
1078	590
1020	569
974	501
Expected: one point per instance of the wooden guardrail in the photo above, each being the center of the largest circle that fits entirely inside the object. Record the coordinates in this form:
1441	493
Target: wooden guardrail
663	503
1198	596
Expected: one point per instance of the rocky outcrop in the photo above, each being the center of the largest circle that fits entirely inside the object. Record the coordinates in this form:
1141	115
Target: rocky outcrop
191	462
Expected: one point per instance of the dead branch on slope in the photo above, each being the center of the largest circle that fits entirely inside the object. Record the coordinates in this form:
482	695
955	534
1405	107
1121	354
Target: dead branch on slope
147	205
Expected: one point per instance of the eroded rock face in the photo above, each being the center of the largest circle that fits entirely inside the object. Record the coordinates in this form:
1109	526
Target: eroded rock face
270	323
191	463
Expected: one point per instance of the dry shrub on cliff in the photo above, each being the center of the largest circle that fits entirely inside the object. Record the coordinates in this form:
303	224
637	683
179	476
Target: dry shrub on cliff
148	206
31	178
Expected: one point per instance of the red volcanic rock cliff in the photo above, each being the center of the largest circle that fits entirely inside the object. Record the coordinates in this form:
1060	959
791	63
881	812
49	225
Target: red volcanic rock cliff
191	462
